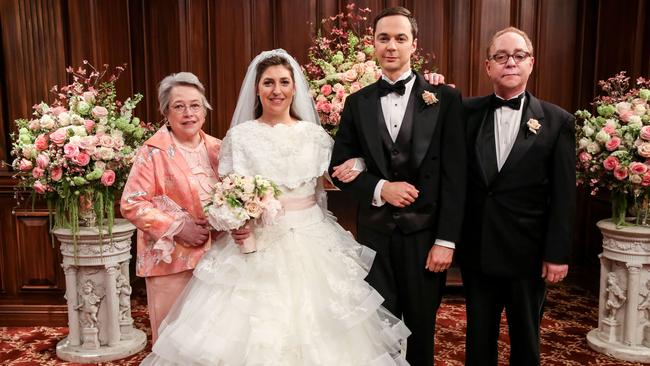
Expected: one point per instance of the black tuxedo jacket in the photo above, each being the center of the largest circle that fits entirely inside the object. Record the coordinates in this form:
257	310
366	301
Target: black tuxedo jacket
437	156
524	214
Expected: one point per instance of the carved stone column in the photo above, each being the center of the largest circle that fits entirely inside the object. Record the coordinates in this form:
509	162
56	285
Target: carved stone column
623	328
99	295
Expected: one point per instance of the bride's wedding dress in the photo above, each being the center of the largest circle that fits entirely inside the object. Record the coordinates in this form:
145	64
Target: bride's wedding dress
301	299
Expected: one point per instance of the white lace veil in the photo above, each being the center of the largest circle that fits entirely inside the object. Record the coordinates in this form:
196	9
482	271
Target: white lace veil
303	104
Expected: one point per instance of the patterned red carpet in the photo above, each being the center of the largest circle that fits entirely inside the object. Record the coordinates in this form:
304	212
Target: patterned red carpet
570	314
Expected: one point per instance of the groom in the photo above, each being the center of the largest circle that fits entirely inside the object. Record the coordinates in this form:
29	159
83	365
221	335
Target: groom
412	193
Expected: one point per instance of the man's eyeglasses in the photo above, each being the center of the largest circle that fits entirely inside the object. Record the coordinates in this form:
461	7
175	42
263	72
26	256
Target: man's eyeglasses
181	108
502	57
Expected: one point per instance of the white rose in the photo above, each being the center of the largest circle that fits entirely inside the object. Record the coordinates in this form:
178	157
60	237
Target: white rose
47	122
79	130
603	136
583	143
636	179
64	119
593	148
76	119
29	151
588	130
106	153
77	140
623	107
639	110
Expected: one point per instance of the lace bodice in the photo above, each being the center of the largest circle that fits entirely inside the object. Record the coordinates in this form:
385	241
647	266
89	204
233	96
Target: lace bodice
293	156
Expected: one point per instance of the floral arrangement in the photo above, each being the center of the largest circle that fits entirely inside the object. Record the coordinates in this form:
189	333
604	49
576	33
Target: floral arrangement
77	151
341	62
613	145
237	199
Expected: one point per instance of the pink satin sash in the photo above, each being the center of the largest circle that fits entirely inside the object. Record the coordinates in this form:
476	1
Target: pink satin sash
297	204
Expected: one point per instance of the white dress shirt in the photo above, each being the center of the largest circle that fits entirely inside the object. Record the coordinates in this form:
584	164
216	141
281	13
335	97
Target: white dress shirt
506	126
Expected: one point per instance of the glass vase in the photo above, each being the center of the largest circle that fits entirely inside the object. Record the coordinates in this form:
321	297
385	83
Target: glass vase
619	207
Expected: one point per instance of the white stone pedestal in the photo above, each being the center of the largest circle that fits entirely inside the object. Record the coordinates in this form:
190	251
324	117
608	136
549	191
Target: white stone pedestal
98	292
624	302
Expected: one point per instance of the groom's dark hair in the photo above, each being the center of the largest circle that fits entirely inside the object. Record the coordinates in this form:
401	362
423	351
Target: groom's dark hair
397	10
259	70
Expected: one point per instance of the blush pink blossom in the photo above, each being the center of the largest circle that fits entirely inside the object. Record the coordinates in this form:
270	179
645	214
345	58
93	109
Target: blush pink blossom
106	141
89	124
335	118
620	172
645	133
56	173
340	93
58	136
42	161
40	187
34	124
646	180
613	144
584	156
71	150
638	168
108	178
41	142
58	110
25	165
609	129
355	87
325	107
82	159
350	75
326	89
611	163
99	112
37	172
625	116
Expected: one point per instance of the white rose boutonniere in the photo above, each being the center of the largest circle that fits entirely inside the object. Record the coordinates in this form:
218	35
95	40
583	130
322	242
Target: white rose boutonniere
533	125
429	98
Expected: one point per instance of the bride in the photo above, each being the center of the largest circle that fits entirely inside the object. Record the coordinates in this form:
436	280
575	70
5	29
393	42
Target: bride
301	299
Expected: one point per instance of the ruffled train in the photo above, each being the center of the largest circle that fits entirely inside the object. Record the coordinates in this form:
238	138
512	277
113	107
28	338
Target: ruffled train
301	299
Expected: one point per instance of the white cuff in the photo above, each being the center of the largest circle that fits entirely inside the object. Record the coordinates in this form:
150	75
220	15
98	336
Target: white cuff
165	246
376	198
445	243
359	165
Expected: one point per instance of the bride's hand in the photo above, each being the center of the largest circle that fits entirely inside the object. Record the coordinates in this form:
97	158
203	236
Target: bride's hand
241	234
346	172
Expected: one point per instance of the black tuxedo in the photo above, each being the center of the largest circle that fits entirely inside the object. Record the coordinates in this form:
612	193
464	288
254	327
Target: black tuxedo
515	219
429	153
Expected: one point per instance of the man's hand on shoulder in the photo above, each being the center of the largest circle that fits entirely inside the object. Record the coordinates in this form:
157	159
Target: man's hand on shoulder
399	194
437	79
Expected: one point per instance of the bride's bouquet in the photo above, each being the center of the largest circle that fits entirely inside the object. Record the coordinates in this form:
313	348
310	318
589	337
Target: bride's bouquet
237	200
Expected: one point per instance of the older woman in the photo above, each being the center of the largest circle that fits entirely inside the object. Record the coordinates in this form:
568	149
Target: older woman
169	183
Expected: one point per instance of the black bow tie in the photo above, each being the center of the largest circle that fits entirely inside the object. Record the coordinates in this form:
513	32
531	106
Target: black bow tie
399	87
514	103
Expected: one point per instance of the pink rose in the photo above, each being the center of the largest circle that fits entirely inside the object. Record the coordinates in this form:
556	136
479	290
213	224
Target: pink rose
326	89
89	124
89	96
42	161
645	133
25	165
71	150
609	129
620	172
58	136
82	159
340	93
325	107
646	180
56	173
106	141
584	156
644	149
108	178
334	119
40	187
41	142
34	124
37	172
638	168
89	142
355	87
625	116
58	110
611	163
99	112
613	144
350	75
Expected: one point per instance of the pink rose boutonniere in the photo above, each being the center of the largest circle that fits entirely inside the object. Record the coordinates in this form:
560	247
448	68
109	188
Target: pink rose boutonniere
429	98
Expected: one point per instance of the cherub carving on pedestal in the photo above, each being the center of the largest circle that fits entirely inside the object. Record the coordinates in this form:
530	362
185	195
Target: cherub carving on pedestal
88	305
615	296
124	294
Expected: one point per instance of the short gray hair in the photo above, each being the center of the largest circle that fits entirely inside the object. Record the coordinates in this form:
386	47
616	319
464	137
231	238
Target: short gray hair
181	78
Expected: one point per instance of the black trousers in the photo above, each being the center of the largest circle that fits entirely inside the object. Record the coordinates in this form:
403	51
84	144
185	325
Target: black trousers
486	296
409	289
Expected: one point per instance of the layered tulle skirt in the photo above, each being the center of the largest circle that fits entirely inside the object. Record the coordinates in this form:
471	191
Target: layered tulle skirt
301	299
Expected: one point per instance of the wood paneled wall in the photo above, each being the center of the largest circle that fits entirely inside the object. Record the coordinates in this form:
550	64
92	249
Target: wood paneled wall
577	42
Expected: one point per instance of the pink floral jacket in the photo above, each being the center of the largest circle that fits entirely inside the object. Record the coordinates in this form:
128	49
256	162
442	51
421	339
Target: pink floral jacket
159	169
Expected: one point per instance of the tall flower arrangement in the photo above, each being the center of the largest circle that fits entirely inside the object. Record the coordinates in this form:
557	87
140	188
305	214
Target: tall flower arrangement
77	151
613	145
341	62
